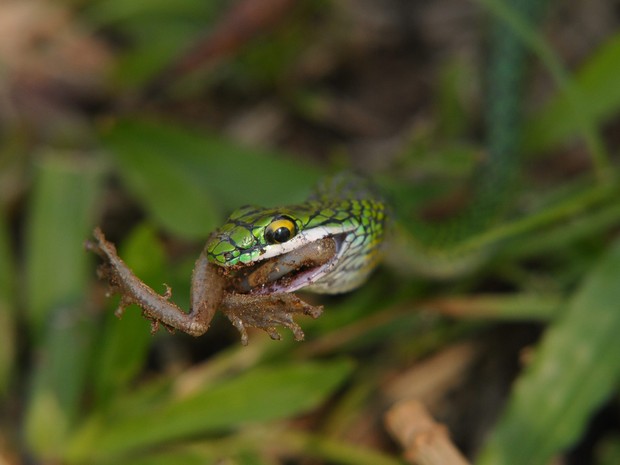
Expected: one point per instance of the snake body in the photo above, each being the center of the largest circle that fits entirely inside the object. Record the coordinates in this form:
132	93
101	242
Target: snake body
344	209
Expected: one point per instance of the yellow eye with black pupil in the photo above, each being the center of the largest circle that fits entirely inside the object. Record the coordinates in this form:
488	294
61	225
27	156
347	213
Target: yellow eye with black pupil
280	230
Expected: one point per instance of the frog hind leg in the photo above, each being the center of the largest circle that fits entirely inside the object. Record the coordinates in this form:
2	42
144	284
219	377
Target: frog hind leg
207	291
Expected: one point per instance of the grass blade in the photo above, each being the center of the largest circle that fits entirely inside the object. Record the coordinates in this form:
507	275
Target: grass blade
597	84
61	217
263	394
574	370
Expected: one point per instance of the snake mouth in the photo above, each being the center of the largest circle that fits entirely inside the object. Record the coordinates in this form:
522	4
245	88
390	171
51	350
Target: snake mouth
290	270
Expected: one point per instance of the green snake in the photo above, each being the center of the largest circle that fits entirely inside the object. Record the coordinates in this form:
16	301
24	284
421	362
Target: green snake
351	212
252	265
344	208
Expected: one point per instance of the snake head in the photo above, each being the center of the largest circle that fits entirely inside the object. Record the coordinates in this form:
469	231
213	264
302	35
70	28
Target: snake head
251	234
324	246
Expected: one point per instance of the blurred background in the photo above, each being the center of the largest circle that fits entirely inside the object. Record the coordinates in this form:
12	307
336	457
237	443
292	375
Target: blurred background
492	126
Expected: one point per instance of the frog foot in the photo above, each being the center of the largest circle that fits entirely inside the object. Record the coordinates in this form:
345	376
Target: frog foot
267	312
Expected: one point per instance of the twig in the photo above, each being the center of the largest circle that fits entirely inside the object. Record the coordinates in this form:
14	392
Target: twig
425	441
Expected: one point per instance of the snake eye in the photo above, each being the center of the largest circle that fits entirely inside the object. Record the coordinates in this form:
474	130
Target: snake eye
280	230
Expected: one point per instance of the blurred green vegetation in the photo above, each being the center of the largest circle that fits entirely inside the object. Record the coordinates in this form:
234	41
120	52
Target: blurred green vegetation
80	386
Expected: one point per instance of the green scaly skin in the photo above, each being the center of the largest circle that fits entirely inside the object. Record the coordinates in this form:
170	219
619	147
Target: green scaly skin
343	208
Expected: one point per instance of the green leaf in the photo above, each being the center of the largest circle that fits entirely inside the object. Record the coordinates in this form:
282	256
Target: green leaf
58	381
574	370
187	181
156	170
7	307
61	216
63	205
263	394
597	84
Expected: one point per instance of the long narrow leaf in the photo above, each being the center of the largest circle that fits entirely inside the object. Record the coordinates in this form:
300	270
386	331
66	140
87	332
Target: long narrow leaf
574	370
61	216
260	395
597	83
